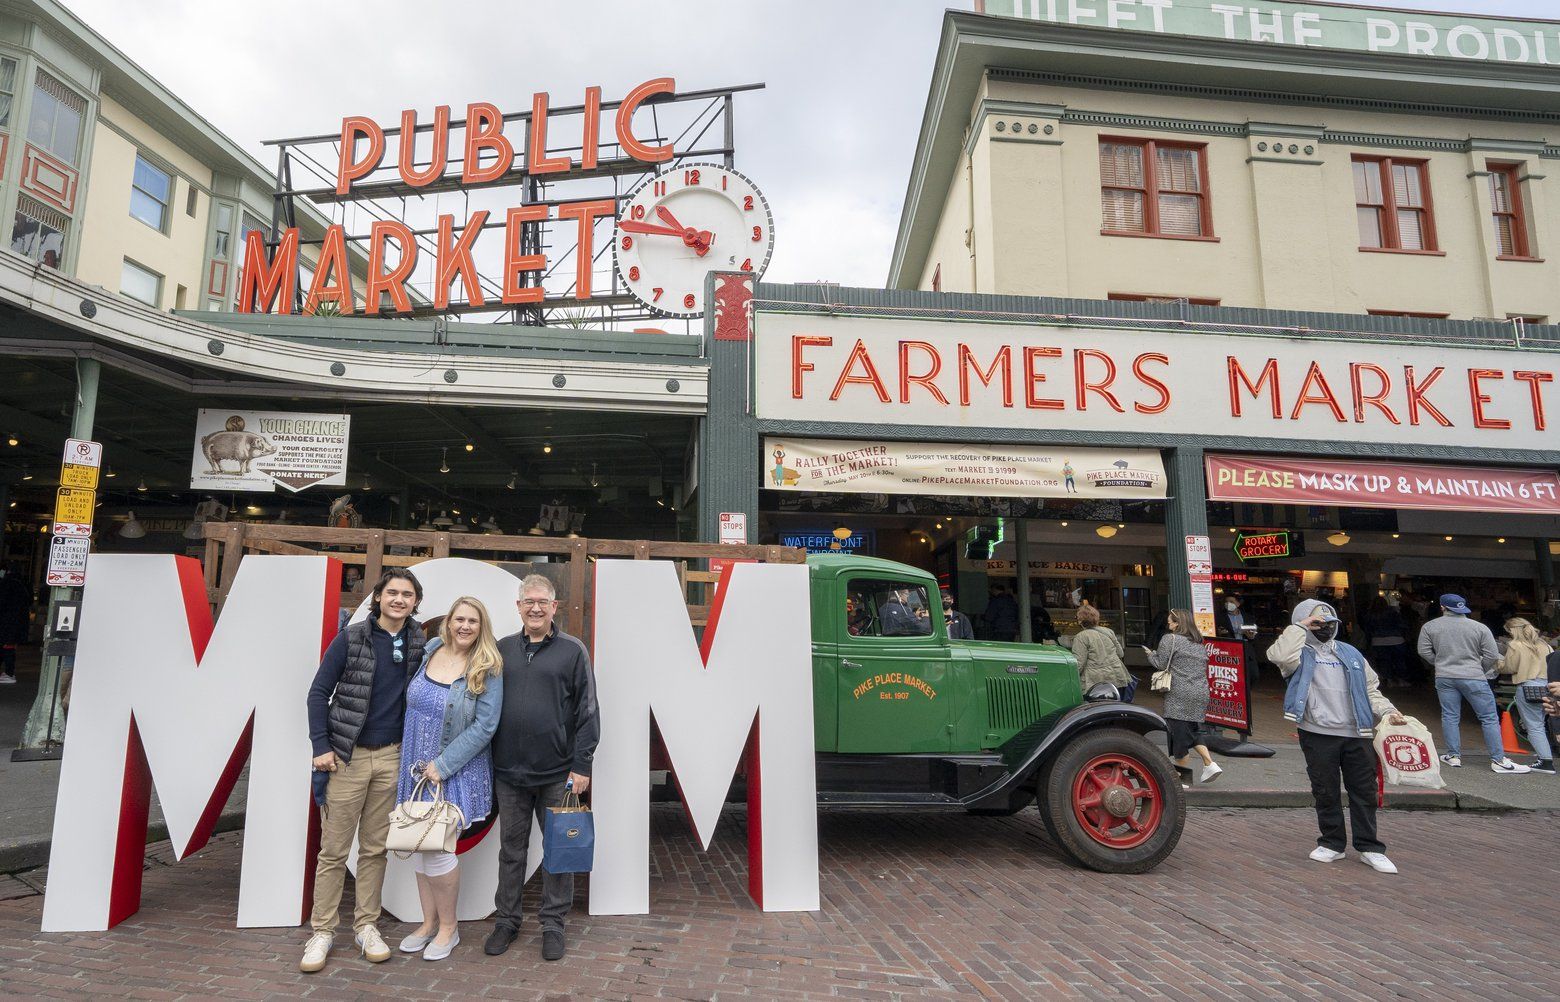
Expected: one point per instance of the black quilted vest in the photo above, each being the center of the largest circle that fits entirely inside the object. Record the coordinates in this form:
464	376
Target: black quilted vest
349	707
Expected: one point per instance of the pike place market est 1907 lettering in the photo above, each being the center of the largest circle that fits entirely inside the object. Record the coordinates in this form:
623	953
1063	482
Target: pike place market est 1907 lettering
872	370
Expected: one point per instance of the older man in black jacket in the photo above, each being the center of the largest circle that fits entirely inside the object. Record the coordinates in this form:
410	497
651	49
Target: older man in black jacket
546	738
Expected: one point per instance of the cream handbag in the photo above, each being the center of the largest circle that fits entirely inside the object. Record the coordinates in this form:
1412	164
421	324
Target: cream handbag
418	825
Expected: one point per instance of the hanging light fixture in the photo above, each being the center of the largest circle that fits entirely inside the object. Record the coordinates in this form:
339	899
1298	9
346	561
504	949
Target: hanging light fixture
1339	538
1106	530
12	440
110	474
514	475
443	521
444	460
547	447
26	473
141	486
490	527
368	485
132	529
593	481
1064	525
470	447
536	530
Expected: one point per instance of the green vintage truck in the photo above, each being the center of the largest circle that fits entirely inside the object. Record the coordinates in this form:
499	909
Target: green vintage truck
906	717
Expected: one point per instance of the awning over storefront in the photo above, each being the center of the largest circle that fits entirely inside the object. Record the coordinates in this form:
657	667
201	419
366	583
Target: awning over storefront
1368	484
959	470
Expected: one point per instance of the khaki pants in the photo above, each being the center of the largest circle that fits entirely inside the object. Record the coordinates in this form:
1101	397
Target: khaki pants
358	801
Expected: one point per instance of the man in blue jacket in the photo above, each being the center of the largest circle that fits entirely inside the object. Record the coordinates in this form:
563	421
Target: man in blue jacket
547	732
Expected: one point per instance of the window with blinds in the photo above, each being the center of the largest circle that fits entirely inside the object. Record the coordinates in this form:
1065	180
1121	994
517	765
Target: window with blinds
7	91
1392	204
1509	211
1152	188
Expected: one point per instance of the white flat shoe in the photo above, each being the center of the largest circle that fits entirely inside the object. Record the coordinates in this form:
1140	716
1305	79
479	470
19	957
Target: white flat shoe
1322	854
414	943
436	952
1378	861
1210	773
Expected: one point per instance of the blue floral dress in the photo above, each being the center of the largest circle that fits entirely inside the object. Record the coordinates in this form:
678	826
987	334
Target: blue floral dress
471	788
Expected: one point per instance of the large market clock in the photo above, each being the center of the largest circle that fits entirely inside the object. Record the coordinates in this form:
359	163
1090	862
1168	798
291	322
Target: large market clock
678	226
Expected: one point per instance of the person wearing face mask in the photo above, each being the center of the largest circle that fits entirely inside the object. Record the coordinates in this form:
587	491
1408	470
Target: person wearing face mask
958	623
1335	699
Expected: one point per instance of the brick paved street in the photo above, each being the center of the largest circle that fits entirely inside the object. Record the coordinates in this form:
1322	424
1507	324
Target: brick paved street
915	906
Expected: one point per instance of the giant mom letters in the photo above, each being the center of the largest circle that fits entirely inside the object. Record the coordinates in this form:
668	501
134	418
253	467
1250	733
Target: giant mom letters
163	696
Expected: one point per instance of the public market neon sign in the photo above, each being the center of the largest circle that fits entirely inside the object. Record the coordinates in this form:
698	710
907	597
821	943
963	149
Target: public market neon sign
268	283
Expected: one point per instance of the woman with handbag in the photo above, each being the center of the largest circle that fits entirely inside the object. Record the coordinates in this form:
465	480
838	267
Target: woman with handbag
1526	662
452	710
1181	673
1099	651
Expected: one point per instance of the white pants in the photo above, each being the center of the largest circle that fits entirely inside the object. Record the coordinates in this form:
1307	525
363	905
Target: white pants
433	864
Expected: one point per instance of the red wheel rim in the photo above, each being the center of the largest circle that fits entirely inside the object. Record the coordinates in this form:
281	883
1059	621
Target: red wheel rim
1118	802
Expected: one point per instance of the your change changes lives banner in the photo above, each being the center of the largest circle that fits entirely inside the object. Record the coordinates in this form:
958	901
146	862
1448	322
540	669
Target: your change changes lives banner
256	450
940	468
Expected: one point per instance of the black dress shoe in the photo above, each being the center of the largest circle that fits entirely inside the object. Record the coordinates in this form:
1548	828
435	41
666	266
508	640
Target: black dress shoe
552	945
499	939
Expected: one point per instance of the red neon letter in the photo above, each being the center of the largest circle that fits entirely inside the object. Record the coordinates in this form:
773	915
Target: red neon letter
625	121
1081	383
350	169
1416	396
590	128
394	280
333	264
1480	398
537	161
798	342
584	247
1154	384
1536	381
485	131
1324	394
277	280
1377	399
1238	378
440	153
1033	379
454	258
905	379
967	362
869	376
515	262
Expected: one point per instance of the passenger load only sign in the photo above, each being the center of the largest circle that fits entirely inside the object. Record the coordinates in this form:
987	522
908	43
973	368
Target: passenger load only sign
68	561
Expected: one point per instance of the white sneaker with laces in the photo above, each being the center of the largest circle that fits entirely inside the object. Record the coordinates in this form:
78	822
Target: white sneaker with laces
1322	854
1378	861
1506	767
315	951
1454	761
373	945
1210	773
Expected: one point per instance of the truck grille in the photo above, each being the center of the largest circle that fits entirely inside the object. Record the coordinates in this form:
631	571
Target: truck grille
1012	703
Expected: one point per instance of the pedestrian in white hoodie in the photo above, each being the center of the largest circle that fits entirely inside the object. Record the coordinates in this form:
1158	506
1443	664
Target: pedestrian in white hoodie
1334	698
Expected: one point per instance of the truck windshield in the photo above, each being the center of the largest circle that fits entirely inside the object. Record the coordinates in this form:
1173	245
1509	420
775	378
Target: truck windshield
879	607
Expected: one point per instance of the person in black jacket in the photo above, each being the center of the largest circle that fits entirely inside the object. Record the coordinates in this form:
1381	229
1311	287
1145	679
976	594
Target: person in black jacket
546	739
958	623
15	619
357	710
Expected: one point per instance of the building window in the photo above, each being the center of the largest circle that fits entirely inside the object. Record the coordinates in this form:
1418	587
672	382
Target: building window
191	200
1408	313
139	283
1512	238
937	279
38	231
150	192
7	91
55	122
1392	204
223	249
1151	188
1135	297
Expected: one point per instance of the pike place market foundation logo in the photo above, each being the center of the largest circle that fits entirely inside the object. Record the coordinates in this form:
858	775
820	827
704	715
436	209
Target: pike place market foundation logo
1121	474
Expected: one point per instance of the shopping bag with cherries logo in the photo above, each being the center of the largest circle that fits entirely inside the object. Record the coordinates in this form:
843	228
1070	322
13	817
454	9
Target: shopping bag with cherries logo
1407	754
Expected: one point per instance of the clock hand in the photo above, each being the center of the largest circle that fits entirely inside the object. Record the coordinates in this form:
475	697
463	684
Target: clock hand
699	240
668	218
630	226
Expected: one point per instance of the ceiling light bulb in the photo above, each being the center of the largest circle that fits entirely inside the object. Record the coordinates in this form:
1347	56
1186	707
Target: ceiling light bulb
1064	525
141	486
470	447
26	473
1339	538
1501	539
1448	539
547	447
12	440
1106	531
110	474
444	461
1395	535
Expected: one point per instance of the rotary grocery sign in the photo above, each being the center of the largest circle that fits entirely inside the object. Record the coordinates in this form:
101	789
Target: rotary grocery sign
1275	544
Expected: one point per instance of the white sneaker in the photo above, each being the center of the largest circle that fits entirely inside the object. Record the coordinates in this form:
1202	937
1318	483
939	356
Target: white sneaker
315	951
1506	767
7	679
1210	773
415	943
1378	861
373	945
1454	761
1322	854
436	952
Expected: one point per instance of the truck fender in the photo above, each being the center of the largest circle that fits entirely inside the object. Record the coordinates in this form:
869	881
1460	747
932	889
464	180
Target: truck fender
1031	748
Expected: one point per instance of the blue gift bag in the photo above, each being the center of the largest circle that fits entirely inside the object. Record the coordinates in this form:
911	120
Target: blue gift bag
569	837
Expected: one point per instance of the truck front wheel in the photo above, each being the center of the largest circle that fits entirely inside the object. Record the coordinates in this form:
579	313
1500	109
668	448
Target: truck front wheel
1113	801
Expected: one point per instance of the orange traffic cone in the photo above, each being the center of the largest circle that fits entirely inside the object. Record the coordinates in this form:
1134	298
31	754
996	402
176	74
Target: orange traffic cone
1508	735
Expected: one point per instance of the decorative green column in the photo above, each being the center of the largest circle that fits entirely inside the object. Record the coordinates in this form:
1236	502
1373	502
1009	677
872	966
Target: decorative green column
729	462
1186	514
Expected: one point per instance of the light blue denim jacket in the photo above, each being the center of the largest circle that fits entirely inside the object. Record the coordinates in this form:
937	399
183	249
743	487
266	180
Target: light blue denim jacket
469	719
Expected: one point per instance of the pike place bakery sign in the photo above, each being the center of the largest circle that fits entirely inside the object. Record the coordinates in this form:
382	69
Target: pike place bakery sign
874	371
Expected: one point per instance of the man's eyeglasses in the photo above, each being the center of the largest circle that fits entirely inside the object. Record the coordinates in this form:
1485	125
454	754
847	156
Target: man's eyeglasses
396	653
536	603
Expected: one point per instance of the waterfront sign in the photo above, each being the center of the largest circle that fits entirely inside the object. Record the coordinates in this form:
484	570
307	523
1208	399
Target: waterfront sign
242	450
1472	37
941	468
875	371
1381	484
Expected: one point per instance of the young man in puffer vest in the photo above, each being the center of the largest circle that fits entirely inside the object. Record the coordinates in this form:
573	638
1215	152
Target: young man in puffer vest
357	710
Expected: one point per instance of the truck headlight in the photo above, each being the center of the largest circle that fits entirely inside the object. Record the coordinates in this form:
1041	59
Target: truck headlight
1102	692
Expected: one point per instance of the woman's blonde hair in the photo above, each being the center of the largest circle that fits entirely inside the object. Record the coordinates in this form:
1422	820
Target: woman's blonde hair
1522	632
1088	615
483	661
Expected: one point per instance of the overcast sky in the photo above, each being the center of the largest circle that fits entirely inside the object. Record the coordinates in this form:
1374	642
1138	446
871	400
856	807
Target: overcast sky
829	141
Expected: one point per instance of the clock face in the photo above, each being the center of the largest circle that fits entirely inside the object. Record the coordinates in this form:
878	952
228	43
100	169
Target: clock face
678	226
